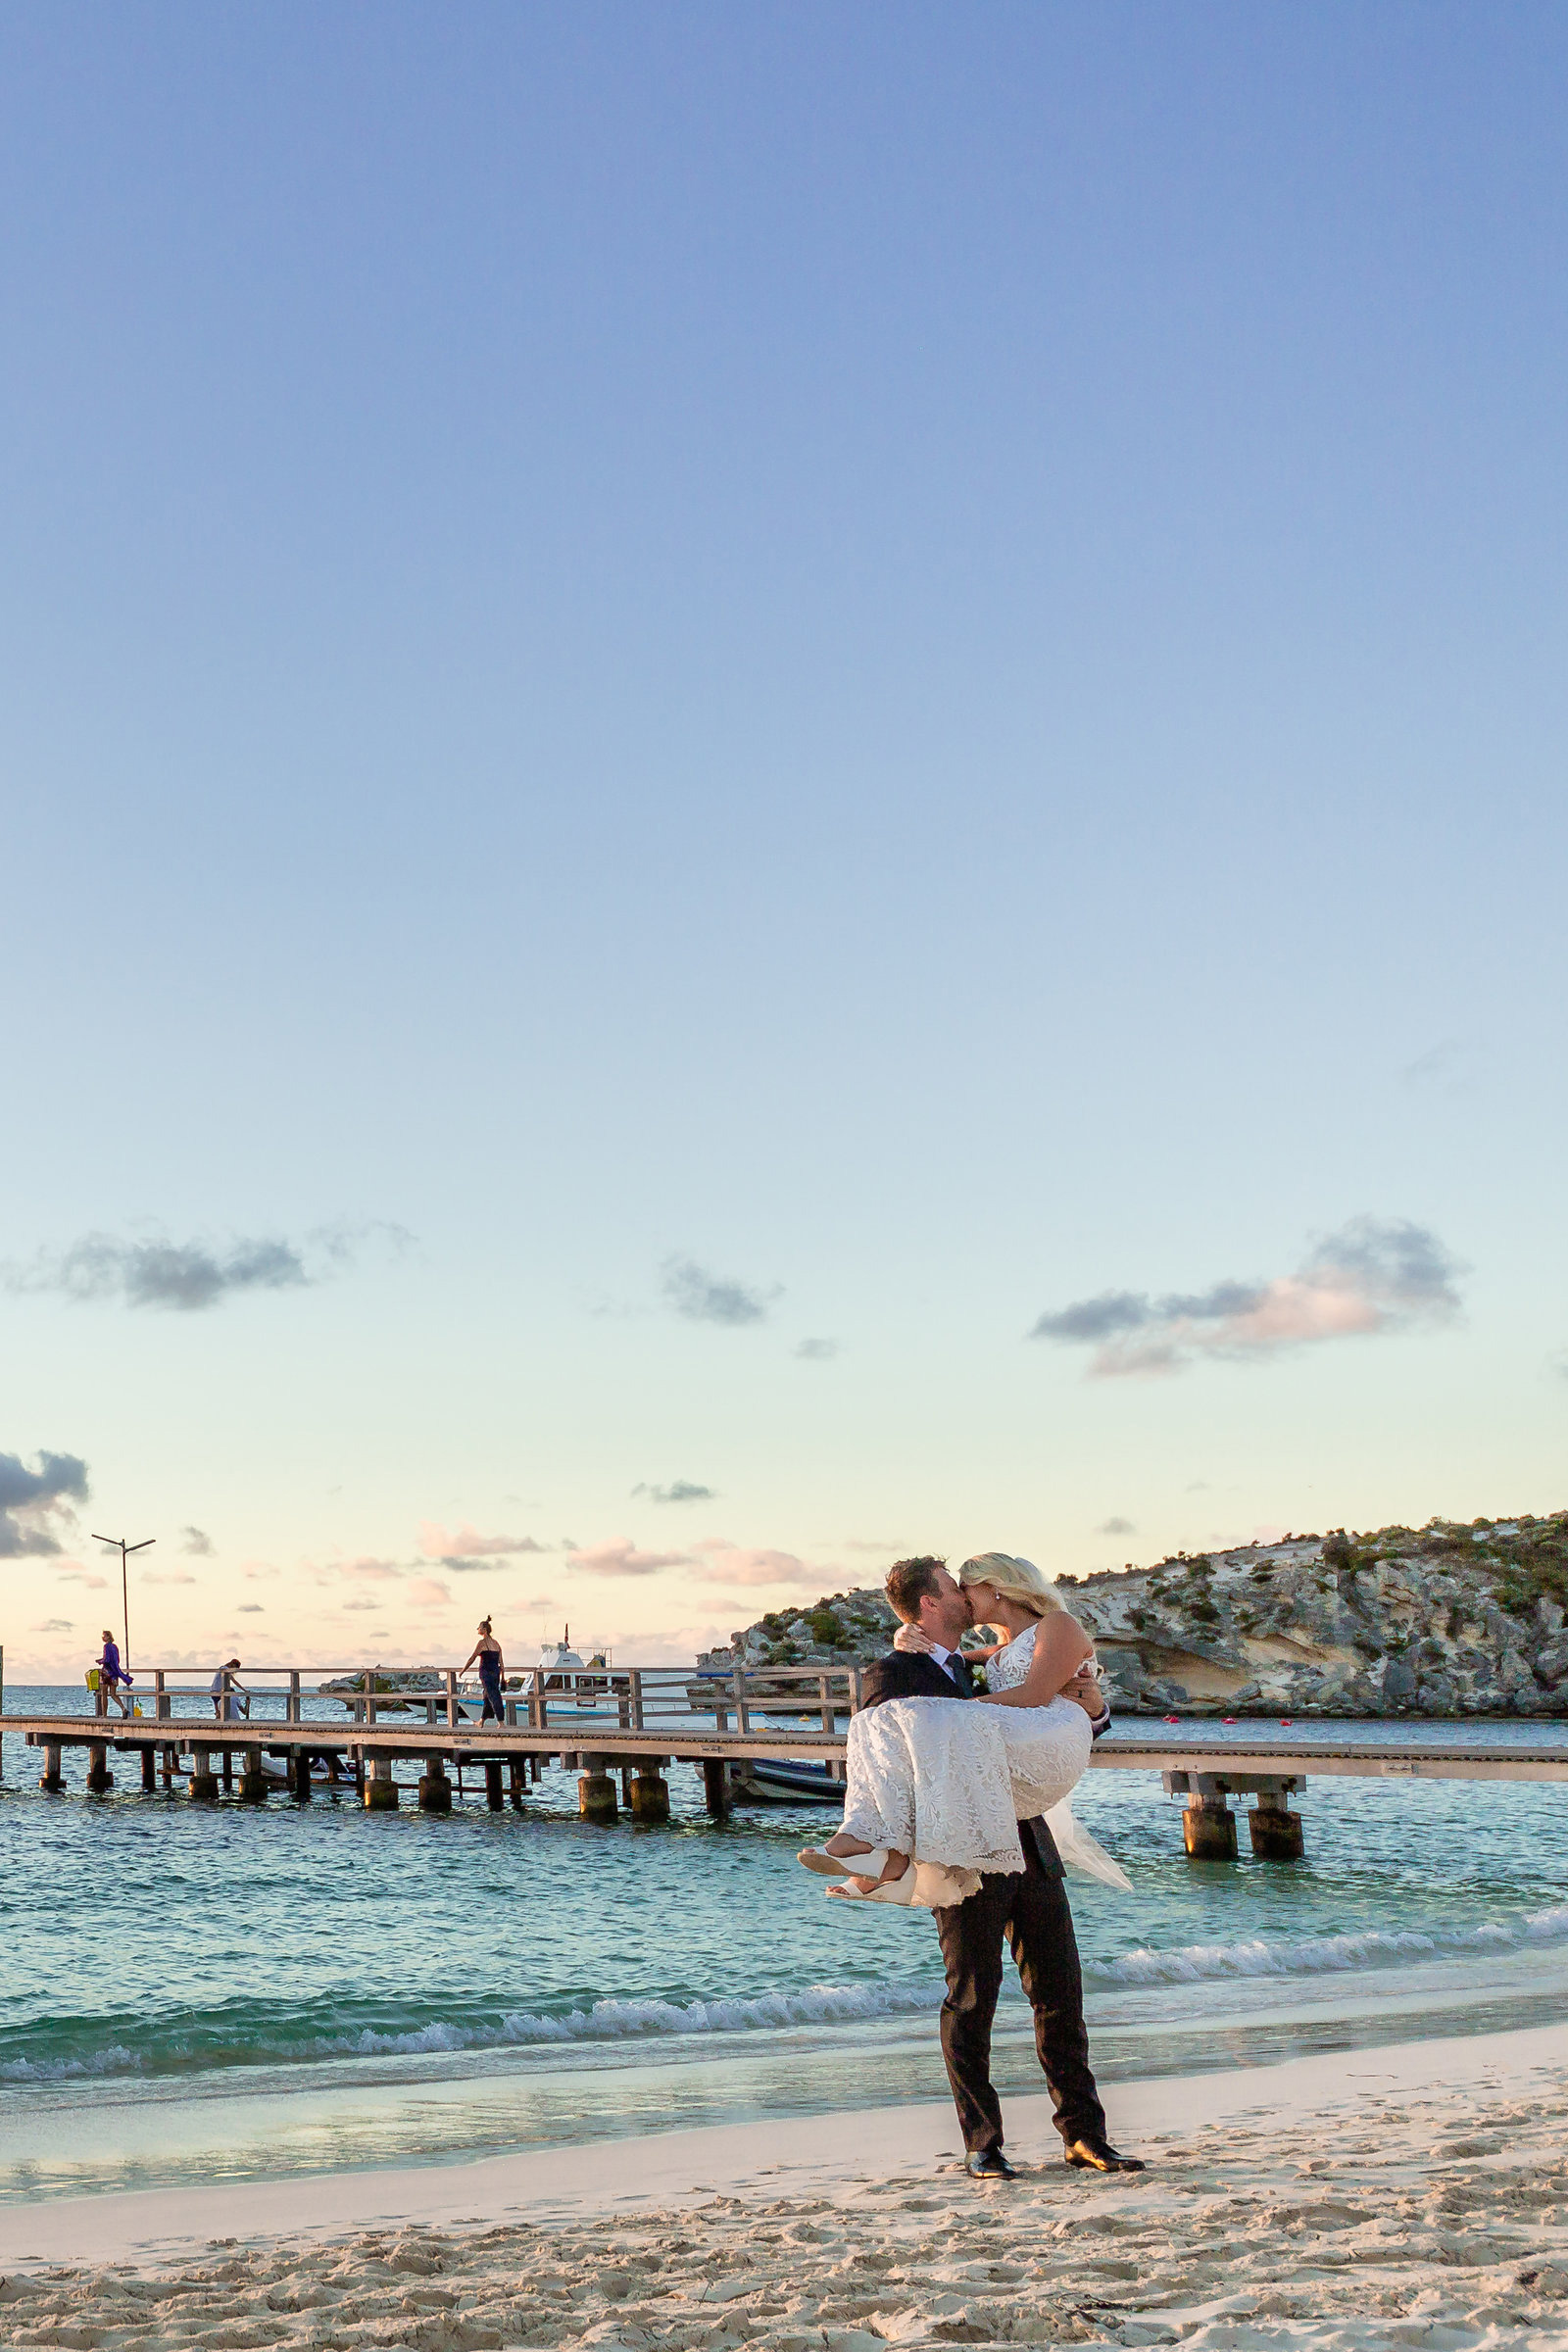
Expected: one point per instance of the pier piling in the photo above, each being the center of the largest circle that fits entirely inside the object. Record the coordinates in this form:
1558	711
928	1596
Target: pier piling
1275	1831
514	1781
596	1791
492	1784
435	1789
252	1779
299	1775
715	1787
51	1778
649	1791
100	1780
380	1789
203	1779
1208	1827
149	1772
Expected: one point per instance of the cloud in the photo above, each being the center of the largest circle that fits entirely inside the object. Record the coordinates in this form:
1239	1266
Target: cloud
619	1557
167	1576
250	1608
679	1490
1445	1065
53	1625
349	1607
30	1498
740	1565
73	1573
1372	1276
468	1549
429	1592
378	1571
817	1352
191	1276
1115	1527
196	1541
704	1298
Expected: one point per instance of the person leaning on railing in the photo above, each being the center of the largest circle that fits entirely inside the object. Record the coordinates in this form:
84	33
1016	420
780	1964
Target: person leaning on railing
226	1693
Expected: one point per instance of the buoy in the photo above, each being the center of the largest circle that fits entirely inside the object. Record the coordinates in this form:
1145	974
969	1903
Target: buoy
1227	1719
1285	1722
1173	1719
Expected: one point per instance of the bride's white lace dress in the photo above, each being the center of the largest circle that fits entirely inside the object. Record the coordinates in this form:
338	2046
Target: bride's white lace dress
948	1780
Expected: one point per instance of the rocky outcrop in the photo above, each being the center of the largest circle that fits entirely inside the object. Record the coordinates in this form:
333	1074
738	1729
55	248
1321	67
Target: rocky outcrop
1441	1620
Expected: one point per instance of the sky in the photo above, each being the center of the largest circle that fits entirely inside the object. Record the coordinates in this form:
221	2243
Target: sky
776	786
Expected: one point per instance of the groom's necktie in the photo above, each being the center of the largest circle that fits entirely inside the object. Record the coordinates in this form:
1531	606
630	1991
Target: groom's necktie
962	1672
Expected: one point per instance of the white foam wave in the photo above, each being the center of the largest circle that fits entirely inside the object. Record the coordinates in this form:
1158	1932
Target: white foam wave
620	2020
114	2060
1327	1955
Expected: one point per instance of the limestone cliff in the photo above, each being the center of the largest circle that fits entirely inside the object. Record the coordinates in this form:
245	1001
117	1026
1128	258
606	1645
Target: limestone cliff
1441	1620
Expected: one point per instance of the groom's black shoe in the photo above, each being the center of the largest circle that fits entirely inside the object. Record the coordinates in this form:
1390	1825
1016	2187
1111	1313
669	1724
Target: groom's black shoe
988	2164
1099	2156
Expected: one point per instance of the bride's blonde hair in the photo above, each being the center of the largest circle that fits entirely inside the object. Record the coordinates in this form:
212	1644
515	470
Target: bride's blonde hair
1019	1580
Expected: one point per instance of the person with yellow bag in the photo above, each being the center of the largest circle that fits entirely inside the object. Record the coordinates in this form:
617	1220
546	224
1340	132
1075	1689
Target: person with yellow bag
105	1680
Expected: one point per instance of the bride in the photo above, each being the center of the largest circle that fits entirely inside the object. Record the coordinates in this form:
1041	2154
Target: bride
936	1786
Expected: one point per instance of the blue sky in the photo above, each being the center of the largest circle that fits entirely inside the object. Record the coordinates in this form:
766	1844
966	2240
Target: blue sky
708	711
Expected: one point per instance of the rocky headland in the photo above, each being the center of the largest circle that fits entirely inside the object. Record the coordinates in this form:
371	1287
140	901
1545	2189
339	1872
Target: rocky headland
1441	1620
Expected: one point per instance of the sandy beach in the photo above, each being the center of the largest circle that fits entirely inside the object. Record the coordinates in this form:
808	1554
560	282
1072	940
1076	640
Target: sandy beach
1409	2195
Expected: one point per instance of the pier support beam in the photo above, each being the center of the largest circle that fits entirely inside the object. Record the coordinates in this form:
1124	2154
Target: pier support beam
253	1780
435	1789
1208	1827
299	1775
171	1760
100	1780
51	1778
380	1789
596	1791
514	1781
649	1793
1275	1831
203	1779
492	1786
149	1772
715	1787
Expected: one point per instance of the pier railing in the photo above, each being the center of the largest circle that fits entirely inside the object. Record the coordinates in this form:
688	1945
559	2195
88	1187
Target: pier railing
625	1698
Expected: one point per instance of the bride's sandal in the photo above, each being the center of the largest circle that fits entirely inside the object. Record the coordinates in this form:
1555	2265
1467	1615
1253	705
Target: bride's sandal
842	1866
893	1891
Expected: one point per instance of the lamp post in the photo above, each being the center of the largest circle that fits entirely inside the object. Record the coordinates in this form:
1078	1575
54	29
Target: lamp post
125	1550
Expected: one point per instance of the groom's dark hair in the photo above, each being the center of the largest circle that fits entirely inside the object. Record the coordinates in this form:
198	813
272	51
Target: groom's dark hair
908	1582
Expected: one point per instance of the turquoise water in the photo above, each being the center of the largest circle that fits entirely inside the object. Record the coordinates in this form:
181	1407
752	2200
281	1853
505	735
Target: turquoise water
196	1993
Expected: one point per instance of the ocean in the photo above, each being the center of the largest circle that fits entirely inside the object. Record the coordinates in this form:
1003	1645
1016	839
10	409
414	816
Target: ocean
195	1993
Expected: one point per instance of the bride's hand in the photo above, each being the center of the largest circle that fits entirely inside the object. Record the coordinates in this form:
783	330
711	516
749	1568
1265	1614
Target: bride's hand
913	1641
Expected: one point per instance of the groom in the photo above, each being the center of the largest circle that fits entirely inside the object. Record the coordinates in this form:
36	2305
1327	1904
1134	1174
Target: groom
1030	1909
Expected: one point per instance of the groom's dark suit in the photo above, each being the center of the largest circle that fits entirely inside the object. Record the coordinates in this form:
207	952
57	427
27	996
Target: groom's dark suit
1031	1911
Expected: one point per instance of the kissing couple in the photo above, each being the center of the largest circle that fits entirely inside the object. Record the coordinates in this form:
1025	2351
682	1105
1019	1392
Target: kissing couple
957	1802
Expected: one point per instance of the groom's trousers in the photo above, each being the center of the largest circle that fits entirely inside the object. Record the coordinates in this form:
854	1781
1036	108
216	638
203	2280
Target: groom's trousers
1030	1909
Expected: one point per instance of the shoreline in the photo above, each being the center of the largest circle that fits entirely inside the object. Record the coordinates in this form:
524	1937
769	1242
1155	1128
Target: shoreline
827	2155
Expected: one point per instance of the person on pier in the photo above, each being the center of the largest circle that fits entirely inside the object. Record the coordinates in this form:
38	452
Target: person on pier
492	1667
231	1699
112	1680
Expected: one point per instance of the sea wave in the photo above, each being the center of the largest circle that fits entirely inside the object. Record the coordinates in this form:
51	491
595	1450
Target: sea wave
1327	1955
116	2060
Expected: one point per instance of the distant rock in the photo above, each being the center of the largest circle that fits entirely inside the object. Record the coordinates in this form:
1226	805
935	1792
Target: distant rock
1440	1620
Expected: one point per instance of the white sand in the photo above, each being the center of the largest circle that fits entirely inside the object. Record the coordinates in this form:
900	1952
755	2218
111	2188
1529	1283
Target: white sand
1413	2196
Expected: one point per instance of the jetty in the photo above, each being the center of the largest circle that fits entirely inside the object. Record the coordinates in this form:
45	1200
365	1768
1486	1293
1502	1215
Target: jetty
359	1726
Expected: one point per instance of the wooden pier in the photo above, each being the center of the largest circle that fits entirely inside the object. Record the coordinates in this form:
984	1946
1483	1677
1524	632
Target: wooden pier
635	1723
